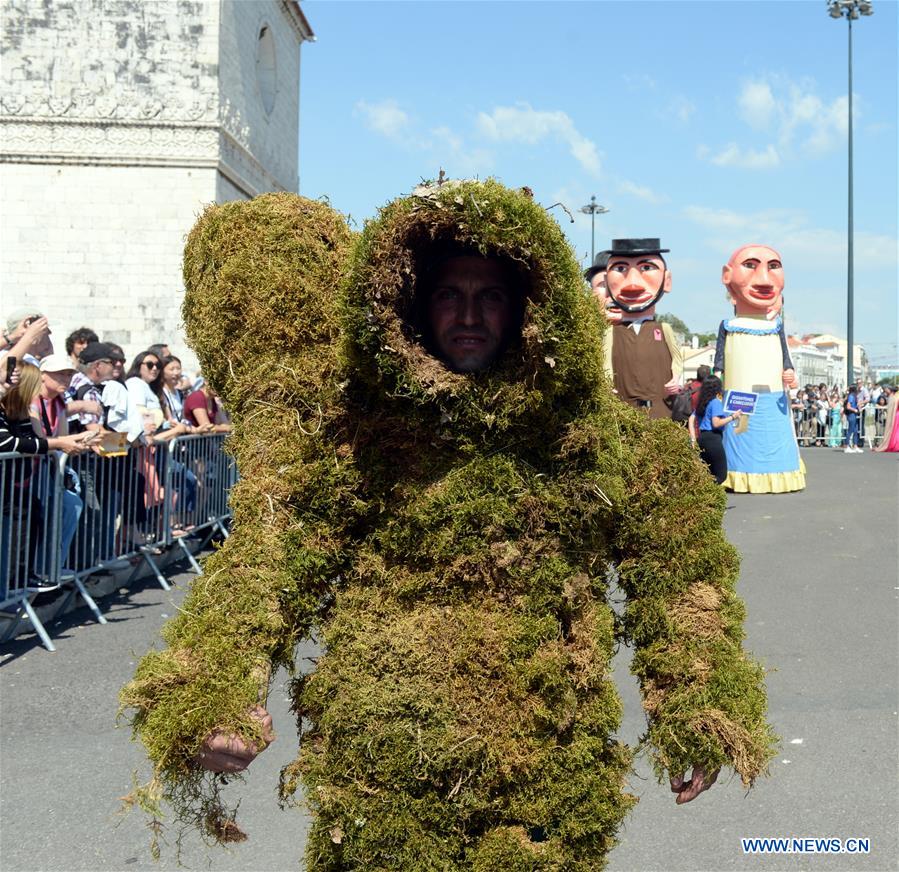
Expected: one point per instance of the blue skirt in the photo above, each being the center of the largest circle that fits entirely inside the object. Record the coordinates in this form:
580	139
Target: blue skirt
765	459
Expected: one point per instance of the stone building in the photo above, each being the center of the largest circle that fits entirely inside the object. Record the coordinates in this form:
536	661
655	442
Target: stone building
119	121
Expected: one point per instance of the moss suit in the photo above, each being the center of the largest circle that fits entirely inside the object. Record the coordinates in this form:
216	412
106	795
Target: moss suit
448	537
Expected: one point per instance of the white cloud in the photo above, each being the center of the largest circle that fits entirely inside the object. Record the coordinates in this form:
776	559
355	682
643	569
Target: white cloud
798	120
758	107
734	155
442	146
386	118
523	123
460	161
788	231
641	192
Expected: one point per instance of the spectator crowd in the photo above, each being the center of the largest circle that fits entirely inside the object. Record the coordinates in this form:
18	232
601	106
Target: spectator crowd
85	400
834	418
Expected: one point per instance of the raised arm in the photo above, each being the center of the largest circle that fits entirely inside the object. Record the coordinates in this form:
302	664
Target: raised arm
260	313
703	695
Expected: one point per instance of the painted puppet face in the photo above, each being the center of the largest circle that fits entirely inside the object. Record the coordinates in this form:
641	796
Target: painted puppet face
634	282
598	288
754	278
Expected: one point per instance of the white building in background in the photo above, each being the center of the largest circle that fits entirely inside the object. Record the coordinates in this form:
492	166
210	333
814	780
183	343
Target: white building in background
696	357
119	121
816	359
835	348
814	365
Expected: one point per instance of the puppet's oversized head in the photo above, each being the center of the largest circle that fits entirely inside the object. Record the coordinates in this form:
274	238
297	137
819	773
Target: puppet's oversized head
637	275
596	278
754	278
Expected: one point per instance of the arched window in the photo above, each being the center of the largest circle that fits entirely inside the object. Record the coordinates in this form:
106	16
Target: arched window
265	68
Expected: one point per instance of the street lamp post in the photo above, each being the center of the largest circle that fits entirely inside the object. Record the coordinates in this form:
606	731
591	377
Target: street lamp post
593	209
850	10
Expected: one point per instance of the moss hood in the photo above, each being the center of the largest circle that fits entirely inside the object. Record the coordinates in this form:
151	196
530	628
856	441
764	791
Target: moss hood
551	376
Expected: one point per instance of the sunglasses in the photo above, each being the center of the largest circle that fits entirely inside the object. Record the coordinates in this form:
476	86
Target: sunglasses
150	365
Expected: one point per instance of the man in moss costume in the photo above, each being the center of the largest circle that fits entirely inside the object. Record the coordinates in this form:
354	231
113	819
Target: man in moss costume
448	536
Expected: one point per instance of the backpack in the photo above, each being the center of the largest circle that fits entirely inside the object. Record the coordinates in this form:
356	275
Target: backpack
75	425
681	405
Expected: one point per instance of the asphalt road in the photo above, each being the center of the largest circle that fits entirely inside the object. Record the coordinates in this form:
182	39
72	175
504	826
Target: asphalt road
820	582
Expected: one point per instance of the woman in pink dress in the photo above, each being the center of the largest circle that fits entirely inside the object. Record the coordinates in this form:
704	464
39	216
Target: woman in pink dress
890	441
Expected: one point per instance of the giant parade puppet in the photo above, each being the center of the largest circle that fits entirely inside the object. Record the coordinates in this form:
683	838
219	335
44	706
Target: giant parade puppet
435	482
642	356
752	352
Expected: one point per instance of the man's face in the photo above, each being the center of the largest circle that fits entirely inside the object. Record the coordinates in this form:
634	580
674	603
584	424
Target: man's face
78	346
754	278
101	370
470	312
635	281
56	383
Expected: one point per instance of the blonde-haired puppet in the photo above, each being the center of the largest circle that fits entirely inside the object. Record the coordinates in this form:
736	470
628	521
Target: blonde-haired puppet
752	353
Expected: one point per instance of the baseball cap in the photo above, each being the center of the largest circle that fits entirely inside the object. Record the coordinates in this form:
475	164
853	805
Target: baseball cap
15	318
56	363
97	351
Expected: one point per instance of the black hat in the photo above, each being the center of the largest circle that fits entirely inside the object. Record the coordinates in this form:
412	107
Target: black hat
94	351
636	247
600	262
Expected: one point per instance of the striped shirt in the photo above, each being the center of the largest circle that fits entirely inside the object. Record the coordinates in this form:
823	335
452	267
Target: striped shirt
19	436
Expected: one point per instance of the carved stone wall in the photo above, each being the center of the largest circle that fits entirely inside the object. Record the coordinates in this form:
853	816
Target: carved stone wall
119	121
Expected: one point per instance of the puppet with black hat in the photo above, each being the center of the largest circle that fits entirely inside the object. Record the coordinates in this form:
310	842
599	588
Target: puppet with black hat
595	276
641	354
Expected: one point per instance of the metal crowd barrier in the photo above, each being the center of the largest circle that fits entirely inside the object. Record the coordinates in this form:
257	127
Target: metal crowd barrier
807	426
880	423
871	426
63	519
30	518
198	478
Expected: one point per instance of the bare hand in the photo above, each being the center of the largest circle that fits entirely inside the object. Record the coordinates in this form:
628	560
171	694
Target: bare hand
737	413
789	378
689	790
36	333
672	387
72	444
227	752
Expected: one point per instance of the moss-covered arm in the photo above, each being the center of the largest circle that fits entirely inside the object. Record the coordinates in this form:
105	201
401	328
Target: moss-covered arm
260	311
703	695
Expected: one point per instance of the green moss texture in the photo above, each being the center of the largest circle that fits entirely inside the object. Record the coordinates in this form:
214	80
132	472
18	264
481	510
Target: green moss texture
449	539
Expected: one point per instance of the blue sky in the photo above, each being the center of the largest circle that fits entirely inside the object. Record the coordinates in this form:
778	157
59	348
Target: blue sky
708	124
